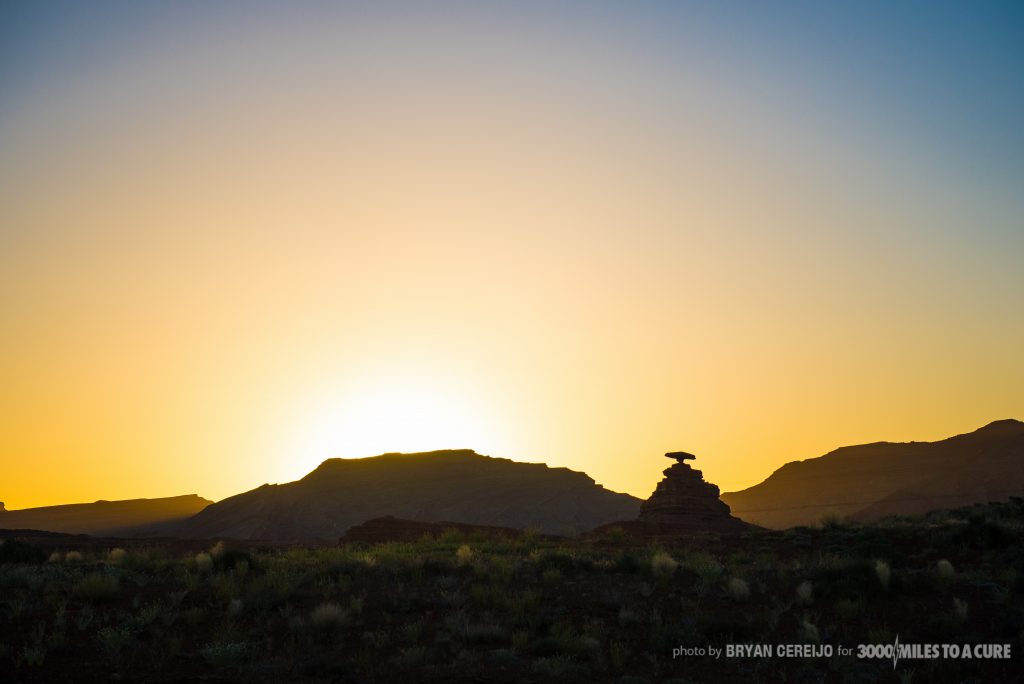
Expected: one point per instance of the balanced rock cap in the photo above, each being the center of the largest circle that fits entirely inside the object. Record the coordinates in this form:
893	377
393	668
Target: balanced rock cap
680	456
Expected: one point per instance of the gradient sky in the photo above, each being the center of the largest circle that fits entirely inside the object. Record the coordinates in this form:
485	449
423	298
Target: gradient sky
239	238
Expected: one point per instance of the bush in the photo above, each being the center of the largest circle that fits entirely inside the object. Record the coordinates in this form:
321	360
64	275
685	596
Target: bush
739	590
464	555
232	559
663	565
328	617
114	640
960	610
805	593
809	631
204	563
945	570
17	551
116	556
884	574
97	588
73	557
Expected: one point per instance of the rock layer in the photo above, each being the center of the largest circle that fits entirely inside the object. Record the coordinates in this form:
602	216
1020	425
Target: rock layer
684	499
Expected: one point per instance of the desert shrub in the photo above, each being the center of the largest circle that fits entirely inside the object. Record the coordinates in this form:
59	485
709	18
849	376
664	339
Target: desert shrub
560	560
55	557
17	551
113	641
73	557
849	609
559	667
227	654
884	574
959	610
832	521
551	576
464	555
804	593
232	559
982	533
204	562
708	572
809	631
945	570
196	615
412	631
739	590
414	656
327	617
486	635
836	578
217	549
628	617
270	590
663	566
630	679
724	626
629	562
97	587
116	556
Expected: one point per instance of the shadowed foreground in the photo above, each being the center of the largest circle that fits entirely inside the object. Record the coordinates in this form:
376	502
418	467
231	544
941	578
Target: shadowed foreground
466	605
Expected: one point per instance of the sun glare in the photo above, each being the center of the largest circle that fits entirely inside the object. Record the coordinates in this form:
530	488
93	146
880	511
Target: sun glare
390	416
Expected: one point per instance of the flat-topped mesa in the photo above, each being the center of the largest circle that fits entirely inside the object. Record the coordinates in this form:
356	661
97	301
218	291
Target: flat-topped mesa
684	499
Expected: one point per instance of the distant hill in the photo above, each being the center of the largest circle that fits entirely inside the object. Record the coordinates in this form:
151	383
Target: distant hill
870	481
459	485
109	518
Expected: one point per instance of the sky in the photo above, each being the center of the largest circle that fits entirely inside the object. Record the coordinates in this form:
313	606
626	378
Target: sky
237	239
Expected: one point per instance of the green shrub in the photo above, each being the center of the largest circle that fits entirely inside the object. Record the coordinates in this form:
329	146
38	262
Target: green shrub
97	588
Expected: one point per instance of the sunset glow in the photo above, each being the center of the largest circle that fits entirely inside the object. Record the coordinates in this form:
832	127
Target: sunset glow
237	241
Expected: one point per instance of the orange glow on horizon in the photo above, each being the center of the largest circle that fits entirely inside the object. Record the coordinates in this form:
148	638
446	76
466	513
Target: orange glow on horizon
224	261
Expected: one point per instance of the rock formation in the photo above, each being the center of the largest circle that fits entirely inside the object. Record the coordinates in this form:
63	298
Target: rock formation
450	485
684	499
870	481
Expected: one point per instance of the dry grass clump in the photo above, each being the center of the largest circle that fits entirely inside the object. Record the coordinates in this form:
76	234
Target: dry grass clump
805	593
884	573
328	617
97	588
739	590
945	570
464	555
204	563
663	565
